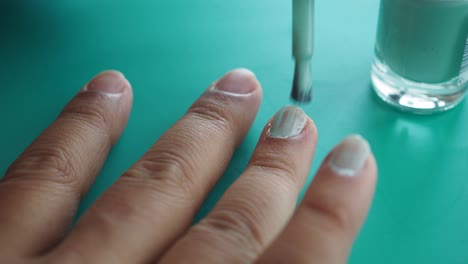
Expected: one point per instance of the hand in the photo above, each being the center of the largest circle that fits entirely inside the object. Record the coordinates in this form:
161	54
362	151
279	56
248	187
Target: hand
146	215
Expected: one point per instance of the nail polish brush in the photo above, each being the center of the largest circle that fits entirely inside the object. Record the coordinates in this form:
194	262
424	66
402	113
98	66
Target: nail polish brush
303	36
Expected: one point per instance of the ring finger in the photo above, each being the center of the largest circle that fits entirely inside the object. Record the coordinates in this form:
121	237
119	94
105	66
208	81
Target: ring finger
155	201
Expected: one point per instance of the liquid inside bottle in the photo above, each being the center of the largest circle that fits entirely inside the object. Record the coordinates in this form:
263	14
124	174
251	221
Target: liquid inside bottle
421	54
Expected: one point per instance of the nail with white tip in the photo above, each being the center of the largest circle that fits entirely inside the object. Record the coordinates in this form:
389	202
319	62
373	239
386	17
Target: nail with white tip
350	156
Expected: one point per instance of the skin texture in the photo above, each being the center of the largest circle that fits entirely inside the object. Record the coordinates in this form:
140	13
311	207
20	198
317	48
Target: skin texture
146	216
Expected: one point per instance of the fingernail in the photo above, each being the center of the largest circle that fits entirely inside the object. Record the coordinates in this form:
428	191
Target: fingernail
288	122
240	81
349	157
111	82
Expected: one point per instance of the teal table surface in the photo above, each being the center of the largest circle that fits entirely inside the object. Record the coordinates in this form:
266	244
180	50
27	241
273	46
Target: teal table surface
172	50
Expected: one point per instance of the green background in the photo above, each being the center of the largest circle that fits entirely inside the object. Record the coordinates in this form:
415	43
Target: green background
171	51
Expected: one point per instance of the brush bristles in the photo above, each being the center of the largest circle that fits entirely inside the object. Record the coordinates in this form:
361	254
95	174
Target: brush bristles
302	85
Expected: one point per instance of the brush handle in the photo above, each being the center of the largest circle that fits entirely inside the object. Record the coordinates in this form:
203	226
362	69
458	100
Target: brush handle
303	29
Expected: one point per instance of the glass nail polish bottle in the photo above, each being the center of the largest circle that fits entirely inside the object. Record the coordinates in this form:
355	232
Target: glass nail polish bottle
421	54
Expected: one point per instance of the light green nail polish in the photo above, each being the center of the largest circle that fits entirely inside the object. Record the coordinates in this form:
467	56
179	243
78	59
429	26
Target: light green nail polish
288	122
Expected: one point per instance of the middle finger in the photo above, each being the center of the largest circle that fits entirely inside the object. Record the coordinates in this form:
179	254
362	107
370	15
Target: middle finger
154	201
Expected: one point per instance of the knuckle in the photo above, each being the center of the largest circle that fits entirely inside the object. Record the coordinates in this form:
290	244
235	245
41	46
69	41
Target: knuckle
336	217
279	164
213	112
165	171
235	227
47	163
91	113
72	256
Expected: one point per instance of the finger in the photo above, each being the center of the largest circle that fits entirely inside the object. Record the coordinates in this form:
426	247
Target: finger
154	201
42	188
333	210
255	209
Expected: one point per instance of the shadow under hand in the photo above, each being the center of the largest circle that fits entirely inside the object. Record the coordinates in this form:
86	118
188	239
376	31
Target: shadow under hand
28	28
33	34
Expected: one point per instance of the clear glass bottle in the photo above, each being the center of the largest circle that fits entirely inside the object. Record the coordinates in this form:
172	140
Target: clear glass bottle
421	54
